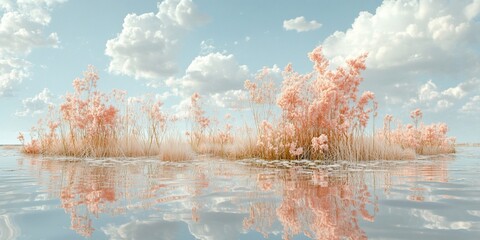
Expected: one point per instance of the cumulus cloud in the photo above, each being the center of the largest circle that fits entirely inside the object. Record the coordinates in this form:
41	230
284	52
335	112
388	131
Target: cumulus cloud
472	106
431	98
231	99
409	41
220	79
237	99
300	24
428	35
149	43
463	88
37	104
12	72
22	28
213	73
443	104
428	92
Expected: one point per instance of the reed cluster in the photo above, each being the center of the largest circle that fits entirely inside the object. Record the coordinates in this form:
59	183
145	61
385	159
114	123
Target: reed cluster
317	115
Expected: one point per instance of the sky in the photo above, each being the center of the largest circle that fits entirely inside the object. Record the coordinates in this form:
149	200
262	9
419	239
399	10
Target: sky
422	54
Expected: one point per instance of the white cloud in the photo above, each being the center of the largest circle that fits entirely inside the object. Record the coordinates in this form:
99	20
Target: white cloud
22	28
456	92
231	99
219	79
428	91
443	104
207	47
182	109
213	73
472	10
300	24
416	35
430	98
472	106
149	43
12	72
237	99
37	104
409	41
463	89
273	73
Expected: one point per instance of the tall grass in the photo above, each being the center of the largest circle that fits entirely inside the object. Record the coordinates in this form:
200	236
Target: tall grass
323	116
317	115
90	123
424	139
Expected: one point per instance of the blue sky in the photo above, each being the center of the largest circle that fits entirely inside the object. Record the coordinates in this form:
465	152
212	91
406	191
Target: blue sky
423	54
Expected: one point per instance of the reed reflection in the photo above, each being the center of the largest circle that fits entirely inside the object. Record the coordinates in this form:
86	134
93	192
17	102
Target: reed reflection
323	205
315	204
87	190
319	204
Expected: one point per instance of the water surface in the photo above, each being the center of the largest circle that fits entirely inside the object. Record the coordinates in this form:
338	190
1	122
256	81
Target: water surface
68	198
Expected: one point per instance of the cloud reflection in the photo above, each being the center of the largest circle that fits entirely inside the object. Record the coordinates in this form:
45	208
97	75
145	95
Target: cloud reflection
216	199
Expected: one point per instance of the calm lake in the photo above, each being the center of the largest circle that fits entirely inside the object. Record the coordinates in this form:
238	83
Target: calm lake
67	198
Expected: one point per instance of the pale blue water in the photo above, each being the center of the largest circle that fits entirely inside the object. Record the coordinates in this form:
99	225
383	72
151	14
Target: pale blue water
55	198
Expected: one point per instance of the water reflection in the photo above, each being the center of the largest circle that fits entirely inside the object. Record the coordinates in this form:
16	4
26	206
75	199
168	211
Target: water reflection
87	189
314	204
216	199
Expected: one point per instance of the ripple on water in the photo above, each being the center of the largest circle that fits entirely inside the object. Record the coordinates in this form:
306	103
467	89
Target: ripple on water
144	198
